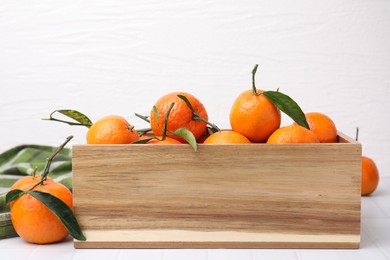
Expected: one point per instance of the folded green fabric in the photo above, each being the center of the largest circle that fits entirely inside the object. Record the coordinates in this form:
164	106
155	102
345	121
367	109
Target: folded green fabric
21	161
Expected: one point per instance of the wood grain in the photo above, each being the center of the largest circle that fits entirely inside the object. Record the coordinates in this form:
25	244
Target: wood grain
256	195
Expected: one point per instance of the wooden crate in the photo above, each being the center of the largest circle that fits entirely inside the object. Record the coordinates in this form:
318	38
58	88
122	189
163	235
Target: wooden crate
223	196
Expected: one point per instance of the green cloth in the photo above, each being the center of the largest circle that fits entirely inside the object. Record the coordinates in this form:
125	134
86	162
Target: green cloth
21	161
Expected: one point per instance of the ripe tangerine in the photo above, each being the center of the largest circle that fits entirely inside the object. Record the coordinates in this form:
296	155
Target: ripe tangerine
254	115
226	137
111	129
370	176
32	220
292	134
323	127
180	115
167	140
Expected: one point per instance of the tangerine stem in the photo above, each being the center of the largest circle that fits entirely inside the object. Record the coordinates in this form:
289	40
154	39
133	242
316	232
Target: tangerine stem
34	172
143	131
357	134
51	118
50	159
66	122
164	133
130	128
253	80
196	116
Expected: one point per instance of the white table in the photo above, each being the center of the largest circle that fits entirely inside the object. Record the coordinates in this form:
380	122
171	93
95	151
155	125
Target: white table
375	243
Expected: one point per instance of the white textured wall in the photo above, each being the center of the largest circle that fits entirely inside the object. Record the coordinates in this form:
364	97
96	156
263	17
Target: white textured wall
118	57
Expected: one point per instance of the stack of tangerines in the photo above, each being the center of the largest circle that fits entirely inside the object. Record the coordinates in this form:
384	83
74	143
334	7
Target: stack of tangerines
255	117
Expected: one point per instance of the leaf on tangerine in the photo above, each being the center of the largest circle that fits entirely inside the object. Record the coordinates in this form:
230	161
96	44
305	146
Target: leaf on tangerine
288	106
188	136
13	195
185	99
155	111
62	211
165	128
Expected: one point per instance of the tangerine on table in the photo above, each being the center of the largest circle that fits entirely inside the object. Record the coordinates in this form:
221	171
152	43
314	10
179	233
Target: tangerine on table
370	176
111	129
32	220
292	134
226	137
180	115
323	127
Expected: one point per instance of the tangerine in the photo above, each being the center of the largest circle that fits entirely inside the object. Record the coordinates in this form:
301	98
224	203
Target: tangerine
29	180
254	115
292	134
167	140
323	127
32	220
370	176
111	129
180	115
226	137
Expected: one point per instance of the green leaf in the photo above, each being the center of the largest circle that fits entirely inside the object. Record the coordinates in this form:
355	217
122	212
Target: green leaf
155	111
145	118
165	128
143	131
79	117
62	211
13	195
185	99
188	136
195	115
288	106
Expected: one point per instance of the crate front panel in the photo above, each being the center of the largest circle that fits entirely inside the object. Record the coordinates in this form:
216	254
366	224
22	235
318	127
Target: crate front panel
259	190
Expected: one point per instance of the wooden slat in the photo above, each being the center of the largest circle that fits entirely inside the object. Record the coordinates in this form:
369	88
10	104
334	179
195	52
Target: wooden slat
297	196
